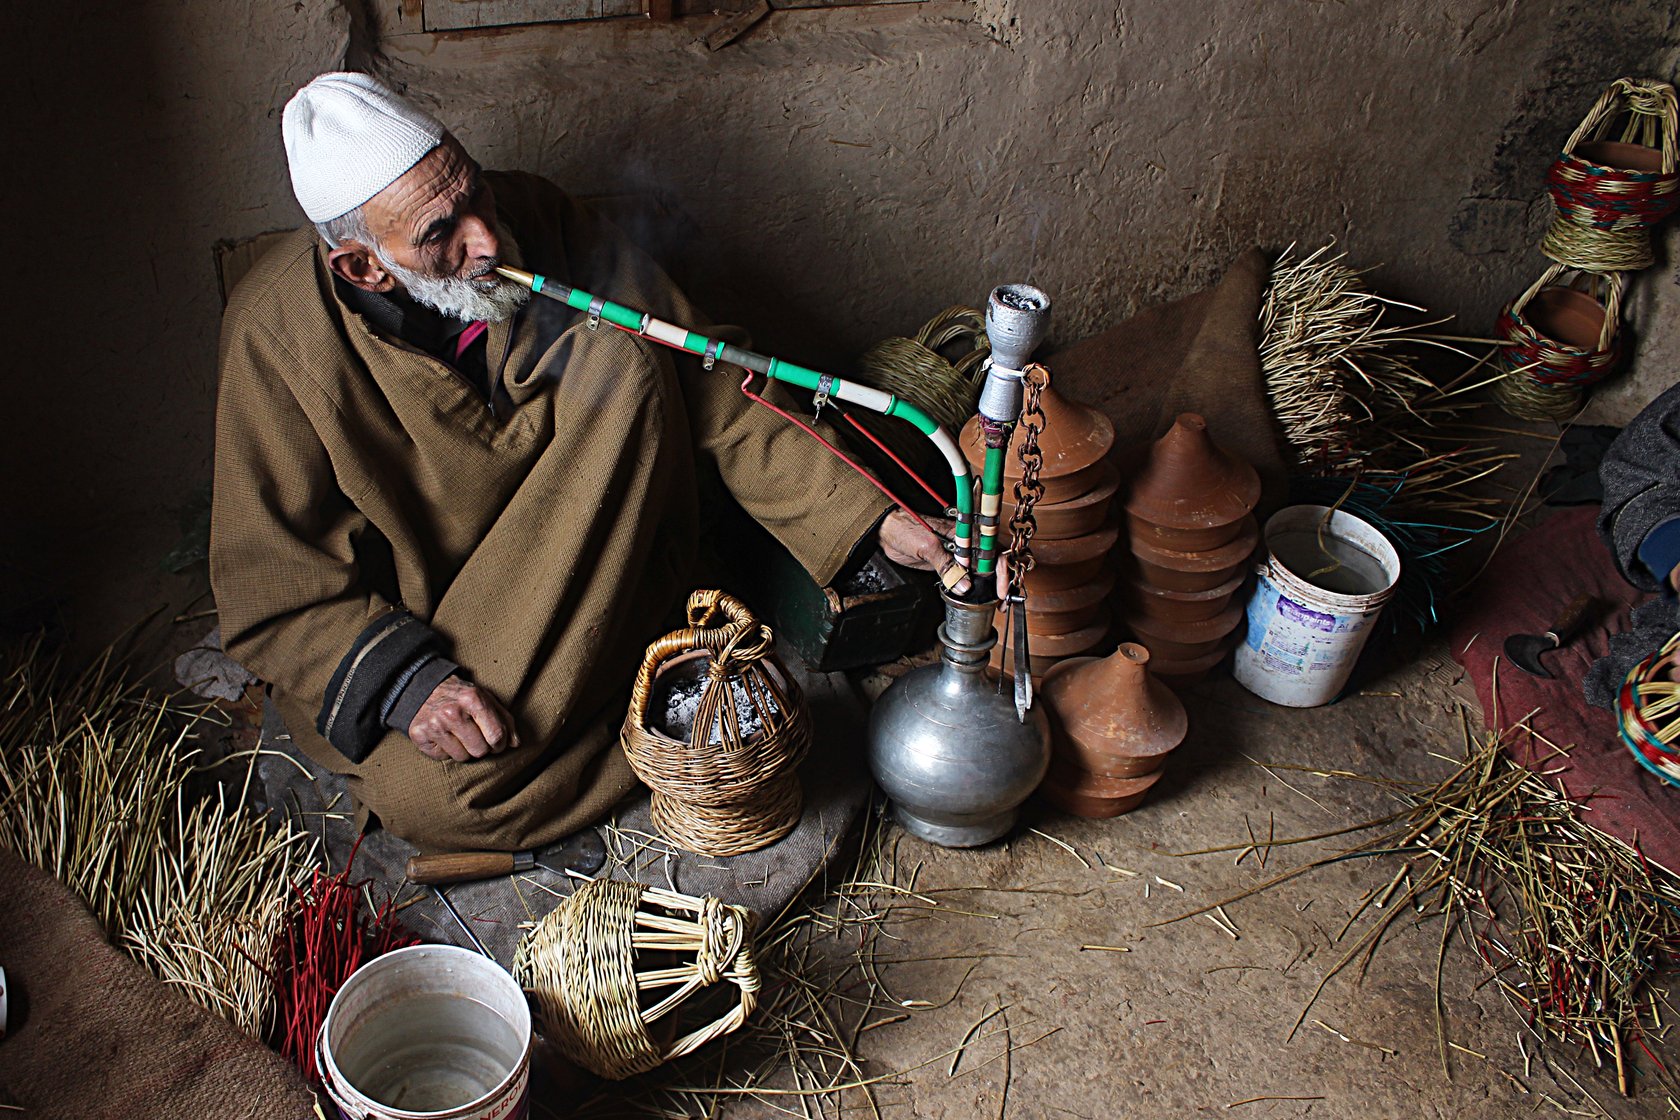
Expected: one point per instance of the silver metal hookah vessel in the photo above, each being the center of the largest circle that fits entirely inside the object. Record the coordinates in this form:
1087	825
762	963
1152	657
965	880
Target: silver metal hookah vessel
951	750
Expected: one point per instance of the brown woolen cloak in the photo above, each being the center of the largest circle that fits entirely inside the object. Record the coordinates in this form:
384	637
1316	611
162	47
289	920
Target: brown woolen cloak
545	538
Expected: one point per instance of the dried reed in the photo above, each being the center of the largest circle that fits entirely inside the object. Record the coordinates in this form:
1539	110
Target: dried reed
94	787
1573	924
823	990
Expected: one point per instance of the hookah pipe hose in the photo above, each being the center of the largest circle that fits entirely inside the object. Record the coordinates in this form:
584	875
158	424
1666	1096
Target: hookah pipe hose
712	351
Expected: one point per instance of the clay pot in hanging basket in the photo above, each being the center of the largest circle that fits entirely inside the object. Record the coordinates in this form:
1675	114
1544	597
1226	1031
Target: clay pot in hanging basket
1560	338
726	783
1075	517
614	964
1109	716
1609	193
1189	483
1181	606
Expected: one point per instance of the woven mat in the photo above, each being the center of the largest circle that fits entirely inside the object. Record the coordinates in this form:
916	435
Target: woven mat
1528	584
94	1034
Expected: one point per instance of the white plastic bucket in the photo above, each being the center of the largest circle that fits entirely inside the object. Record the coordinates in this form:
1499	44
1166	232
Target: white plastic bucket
1324	582
431	1032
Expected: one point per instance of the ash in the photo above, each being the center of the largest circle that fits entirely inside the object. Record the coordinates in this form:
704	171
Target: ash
1020	301
871	579
682	701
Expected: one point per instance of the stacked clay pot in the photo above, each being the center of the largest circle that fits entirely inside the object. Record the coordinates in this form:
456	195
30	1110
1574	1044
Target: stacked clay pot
1190	530
1112	727
1069	588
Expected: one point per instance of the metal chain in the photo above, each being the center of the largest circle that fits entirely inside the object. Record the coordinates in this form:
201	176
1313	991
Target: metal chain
1029	489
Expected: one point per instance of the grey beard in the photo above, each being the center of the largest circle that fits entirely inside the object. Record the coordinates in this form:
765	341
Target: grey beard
458	298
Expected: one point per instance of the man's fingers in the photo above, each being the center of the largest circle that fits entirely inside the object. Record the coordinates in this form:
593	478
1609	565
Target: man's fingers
484	722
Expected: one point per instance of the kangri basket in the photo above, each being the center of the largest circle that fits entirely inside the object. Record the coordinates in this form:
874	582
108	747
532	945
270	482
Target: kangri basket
614	960
1610	192
1560	337
731	786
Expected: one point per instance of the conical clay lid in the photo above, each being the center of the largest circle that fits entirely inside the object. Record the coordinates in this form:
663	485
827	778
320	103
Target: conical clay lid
1075	437
1112	707
1189	482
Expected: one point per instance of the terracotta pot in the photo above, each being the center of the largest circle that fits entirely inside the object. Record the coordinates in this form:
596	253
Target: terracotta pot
1075	439
1170	579
1186	633
1077	549
1177	674
1076	516
1070	777
1054	623
1048	649
1092	808
1189	482
1167	651
1619	155
1232	553
1567	315
1181	540
1073	598
1179	606
1047	578
1108	713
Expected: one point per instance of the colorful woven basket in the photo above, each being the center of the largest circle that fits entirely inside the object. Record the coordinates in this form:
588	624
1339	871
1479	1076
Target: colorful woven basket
1559	338
1610	192
1646	711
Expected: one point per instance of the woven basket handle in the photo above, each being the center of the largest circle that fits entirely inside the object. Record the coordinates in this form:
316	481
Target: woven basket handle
1612	298
740	638
1647	98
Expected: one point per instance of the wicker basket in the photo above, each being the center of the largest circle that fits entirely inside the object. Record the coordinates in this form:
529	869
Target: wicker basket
1647	708
1610	192
590	962
1560	338
732	787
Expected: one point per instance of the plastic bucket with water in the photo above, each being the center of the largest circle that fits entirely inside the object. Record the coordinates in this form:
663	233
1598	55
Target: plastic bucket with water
432	1032
1325	579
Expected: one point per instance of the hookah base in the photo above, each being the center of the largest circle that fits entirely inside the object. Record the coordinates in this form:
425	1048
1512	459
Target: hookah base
969	834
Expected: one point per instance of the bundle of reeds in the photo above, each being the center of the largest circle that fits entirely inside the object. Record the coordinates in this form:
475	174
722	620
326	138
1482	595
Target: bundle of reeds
95	787
1370	430
1573	925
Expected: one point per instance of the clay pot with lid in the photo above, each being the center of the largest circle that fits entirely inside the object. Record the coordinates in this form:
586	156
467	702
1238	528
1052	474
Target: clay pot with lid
1107	713
1170	579
1143	597
1074	443
1229	555
1190	484
1073	517
1078	794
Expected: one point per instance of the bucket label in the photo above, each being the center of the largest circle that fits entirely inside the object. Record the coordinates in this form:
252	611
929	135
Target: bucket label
1291	639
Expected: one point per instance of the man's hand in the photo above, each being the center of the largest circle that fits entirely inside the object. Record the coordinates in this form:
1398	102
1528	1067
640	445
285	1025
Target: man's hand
905	542
461	721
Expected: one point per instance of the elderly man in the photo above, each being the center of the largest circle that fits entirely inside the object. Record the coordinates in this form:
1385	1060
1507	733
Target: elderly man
447	521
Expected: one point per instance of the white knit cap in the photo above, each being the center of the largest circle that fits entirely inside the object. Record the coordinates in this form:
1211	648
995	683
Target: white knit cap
347	138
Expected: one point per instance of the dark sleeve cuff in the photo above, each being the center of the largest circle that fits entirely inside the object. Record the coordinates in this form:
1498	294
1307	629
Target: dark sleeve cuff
1659	551
862	551
411	690
359	696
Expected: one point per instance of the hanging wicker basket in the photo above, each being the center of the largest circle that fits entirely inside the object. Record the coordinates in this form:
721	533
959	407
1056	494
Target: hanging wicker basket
1560	338
1610	192
614	960
730	786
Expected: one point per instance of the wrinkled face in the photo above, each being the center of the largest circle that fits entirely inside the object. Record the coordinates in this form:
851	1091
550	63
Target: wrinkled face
439	219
